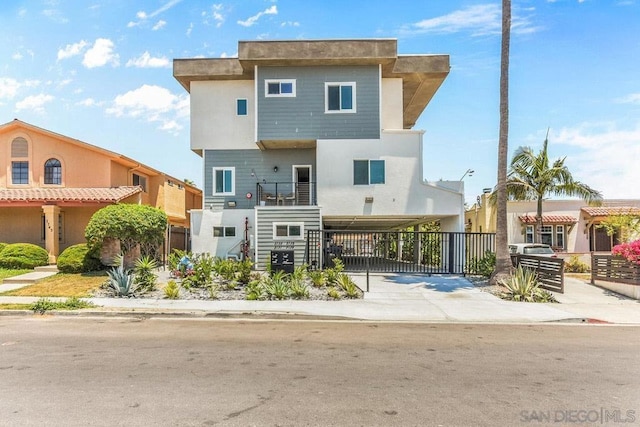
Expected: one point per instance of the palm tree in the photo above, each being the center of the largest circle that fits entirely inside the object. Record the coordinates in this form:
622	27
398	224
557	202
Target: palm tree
531	177
503	260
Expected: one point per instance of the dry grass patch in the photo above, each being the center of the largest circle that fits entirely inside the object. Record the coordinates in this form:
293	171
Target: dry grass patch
5	273
15	306
62	285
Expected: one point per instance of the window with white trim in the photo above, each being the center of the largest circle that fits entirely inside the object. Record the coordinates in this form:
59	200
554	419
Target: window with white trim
560	236
528	237
288	231
366	172
340	97
224	181
241	107
224	232
547	235
280	88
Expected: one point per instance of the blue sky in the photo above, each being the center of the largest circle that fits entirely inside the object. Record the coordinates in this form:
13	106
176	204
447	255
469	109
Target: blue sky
100	71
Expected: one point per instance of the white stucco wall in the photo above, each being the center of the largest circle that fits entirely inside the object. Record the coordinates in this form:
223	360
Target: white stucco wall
202	223
404	191
214	123
391	104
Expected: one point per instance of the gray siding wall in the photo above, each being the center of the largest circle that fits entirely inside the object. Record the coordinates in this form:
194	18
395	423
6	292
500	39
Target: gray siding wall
246	161
304	117
265	218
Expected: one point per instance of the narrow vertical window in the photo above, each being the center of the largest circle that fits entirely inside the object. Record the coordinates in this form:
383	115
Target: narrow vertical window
241	107
223	181
19	172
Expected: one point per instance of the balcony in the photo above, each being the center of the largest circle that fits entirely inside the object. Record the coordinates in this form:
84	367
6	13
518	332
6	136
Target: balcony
286	194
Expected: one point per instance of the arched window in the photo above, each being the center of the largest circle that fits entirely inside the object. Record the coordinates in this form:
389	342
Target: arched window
53	172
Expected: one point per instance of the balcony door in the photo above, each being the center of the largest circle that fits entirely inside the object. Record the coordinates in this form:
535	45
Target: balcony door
302	182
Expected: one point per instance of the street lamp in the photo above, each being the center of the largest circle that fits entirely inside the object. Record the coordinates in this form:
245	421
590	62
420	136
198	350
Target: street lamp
468	172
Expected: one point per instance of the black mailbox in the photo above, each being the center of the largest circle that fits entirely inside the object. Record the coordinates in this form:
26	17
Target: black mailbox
282	260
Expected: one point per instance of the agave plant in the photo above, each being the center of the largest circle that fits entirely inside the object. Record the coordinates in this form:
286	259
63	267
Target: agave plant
255	291
144	277
299	289
120	281
348	286
522	285
277	288
172	290
317	278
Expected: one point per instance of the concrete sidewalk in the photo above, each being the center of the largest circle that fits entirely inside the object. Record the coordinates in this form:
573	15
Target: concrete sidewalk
401	297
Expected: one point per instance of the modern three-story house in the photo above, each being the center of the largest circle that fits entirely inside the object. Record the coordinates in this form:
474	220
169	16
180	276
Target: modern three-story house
309	135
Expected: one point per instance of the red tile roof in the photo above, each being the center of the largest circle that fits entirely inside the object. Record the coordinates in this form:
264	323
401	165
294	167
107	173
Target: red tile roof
91	195
611	210
549	219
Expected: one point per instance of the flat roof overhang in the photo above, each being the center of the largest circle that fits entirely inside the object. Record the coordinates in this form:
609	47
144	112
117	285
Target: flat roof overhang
282	144
376	223
421	75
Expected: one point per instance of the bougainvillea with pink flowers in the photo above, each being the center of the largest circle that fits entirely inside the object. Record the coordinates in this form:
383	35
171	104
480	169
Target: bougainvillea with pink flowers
631	251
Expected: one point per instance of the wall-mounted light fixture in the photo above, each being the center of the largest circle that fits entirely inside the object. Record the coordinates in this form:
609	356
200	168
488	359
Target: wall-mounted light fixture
368	199
275	169
231	203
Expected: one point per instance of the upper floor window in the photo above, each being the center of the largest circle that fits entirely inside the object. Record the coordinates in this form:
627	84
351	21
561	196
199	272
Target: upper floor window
340	97
224	181
280	87
19	172
241	107
141	181
53	172
20	162
367	172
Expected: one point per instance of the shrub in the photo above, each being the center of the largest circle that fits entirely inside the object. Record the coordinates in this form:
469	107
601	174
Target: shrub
299	290
172	290
2	246
574	265
201	275
630	251
348	286
485	265
44	304
23	255
317	278
78	259
144	278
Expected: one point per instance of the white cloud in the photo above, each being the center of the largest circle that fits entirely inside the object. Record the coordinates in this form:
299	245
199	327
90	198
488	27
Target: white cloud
188	33
633	98
101	54
55	15
72	50
147	61
273	10
153	104
144	16
9	87
34	102
479	20
17	56
290	24
88	102
608	160
160	24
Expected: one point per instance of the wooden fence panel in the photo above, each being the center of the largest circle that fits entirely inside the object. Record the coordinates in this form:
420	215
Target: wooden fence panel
550	271
611	268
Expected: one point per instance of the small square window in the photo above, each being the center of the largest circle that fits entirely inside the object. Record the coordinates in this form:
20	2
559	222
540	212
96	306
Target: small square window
241	107
367	172
340	97
224	181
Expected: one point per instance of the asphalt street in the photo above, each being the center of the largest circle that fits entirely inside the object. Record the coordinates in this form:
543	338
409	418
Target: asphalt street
70	371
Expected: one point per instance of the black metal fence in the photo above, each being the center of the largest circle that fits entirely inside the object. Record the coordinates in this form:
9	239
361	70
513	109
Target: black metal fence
400	251
286	194
550	271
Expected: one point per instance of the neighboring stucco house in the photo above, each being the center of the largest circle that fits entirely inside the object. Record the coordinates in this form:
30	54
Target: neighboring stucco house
569	226
310	135
51	185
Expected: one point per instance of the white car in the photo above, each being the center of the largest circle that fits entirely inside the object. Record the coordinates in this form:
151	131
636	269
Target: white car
537	249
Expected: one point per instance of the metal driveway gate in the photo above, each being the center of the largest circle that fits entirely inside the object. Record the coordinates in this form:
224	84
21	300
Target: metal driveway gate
399	251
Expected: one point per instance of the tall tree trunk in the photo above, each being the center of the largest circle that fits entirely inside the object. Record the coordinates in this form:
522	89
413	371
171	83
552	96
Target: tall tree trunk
503	260
538	233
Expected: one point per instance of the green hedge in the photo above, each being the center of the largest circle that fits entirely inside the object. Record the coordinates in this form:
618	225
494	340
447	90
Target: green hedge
78	259
23	255
2	246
